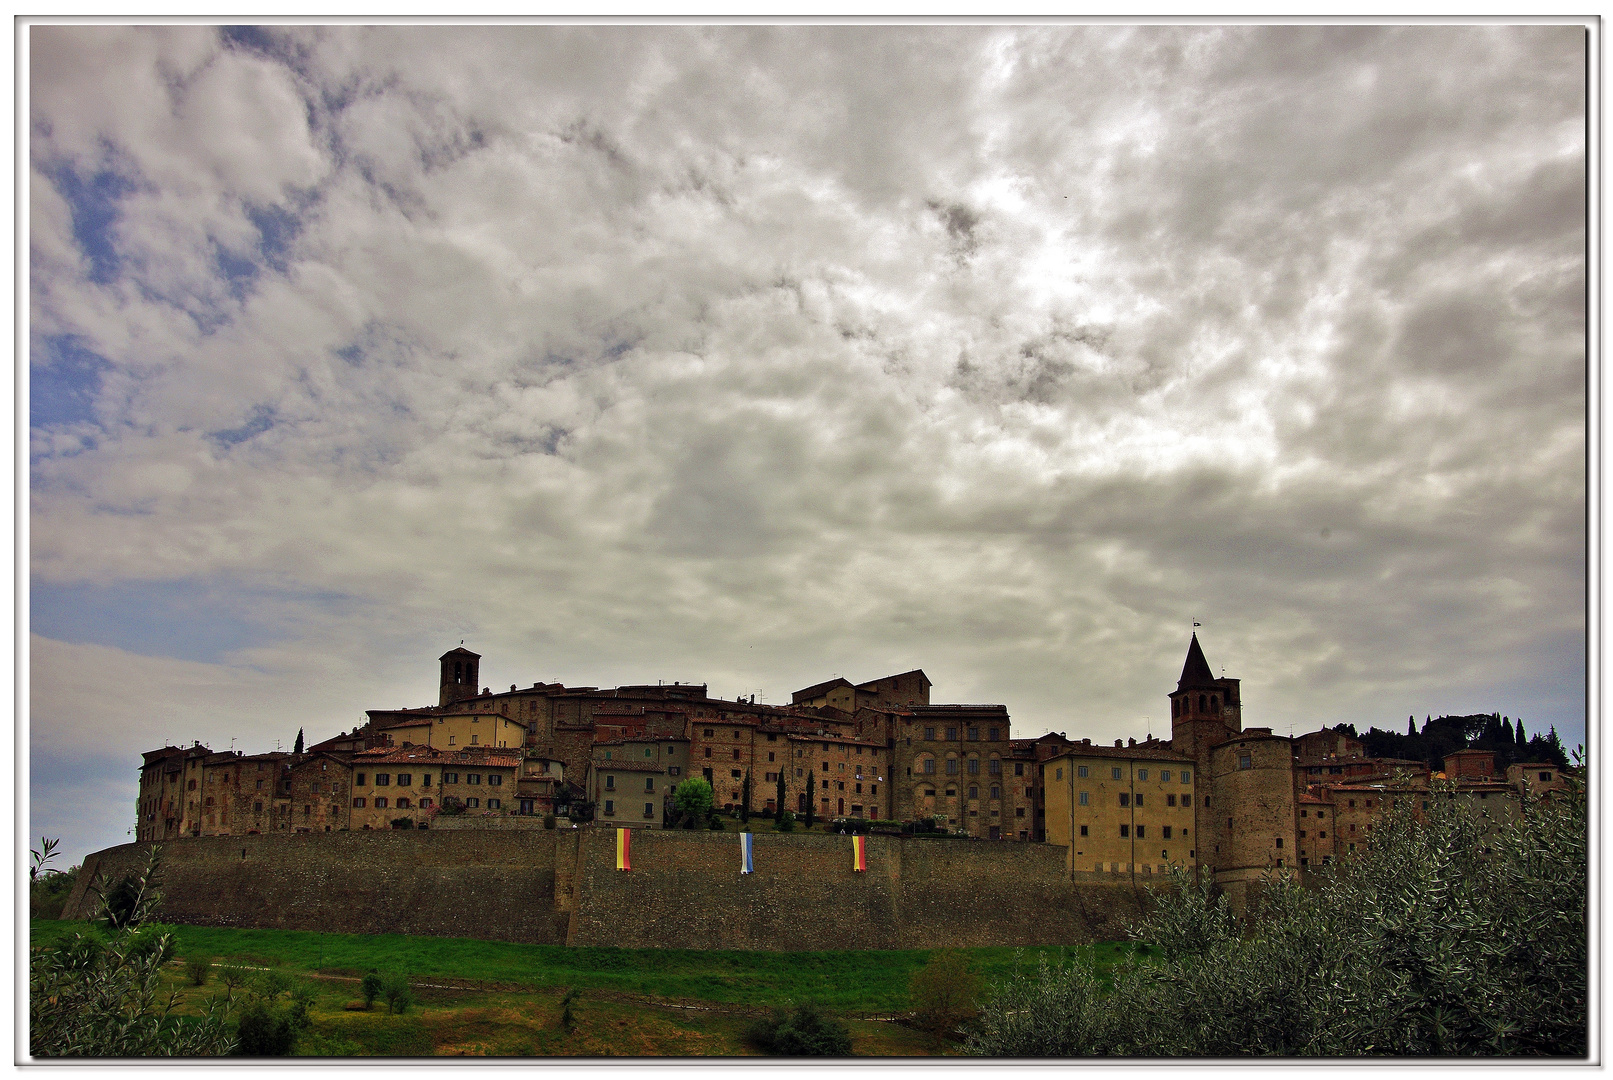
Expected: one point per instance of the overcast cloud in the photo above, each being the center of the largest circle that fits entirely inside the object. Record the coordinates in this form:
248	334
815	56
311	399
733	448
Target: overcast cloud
759	355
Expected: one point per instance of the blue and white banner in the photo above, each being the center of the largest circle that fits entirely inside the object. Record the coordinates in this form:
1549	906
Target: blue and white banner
746	865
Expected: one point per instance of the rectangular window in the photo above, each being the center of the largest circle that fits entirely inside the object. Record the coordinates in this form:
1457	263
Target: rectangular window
1140	830
1167	833
1142	774
1083	796
358	780
382	779
1139	798
610	806
1058	774
610	783
381	803
734	773
450	740
425	779
1245	761
1019	768
929	766
929	734
952	734
473	802
1164	776
974	766
1125	799
1125	830
403	779
450	778
649	784
496	779
358	802
952	766
649	809
1081	771
1083	828
1187	777
1170	800
473	778
974	734
995	767
1114	774
493	804
974	793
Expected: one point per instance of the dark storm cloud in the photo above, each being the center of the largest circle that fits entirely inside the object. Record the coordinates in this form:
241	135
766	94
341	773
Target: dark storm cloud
755	354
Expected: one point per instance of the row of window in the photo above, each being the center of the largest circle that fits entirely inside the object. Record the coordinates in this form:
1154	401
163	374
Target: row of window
405	779
1142	832
974	792
1083	772
994	766
610	783
610	809
402	803
973	734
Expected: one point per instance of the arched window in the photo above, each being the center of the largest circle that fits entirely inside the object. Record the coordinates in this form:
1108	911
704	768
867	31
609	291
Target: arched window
1201	703
1215	703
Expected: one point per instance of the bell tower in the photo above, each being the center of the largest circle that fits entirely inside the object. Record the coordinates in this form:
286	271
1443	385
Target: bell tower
459	674
1204	710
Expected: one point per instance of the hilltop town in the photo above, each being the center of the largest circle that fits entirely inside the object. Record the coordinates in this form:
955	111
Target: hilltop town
1216	794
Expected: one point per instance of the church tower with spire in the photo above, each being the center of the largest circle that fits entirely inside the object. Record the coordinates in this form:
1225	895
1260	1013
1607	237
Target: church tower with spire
1204	710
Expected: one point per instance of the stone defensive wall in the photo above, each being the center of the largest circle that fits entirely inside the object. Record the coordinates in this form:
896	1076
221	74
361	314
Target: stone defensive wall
685	891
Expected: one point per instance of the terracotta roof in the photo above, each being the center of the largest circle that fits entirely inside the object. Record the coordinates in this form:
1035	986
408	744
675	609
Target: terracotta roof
492	757
1156	751
818	688
1196	671
916	671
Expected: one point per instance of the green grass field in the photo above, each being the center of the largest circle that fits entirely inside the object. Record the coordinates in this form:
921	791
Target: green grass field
501	998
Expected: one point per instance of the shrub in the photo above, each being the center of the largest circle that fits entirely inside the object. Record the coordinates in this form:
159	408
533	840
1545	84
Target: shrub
198	968
786	821
266	1030
548	821
715	824
568	1019
396	993
945	993
402	823
370	988
806	1032
97	997
1451	936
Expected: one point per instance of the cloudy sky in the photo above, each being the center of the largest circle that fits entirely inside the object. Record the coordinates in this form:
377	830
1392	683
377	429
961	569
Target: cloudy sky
759	355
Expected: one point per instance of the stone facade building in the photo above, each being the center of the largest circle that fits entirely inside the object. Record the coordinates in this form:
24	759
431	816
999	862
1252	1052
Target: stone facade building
1217	797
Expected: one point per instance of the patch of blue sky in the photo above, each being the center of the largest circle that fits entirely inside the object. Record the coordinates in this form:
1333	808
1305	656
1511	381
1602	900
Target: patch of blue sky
94	204
64	381
202	621
277	228
261	420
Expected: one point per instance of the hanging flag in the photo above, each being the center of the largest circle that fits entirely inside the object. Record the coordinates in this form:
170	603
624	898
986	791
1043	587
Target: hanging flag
746	863
624	843
859	853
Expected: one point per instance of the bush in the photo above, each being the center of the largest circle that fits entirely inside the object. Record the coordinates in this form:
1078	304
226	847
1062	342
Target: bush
548	821
806	1032
945	993
786	821
370	988
266	1030
97	997
396	993
198	968
402	823
715	824
1448	938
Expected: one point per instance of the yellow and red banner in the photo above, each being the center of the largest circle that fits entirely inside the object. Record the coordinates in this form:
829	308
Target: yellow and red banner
859	854
624	845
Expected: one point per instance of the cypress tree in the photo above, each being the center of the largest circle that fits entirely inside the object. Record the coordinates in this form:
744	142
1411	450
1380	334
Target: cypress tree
778	803
297	747
1411	726
744	804
1517	731
811	791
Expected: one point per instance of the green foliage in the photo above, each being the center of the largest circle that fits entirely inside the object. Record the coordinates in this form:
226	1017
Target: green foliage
779	812
266	1029
1453	936
715	824
805	1032
744	799
945	993
693	798
96	995
396	993
370	987
198	967
48	888
786	822
234	976
296	747
568	1018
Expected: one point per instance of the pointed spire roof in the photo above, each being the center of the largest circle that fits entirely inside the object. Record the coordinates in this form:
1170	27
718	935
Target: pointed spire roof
1196	672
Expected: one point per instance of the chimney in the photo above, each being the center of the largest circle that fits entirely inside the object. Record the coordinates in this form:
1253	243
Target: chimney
1131	742
1120	742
